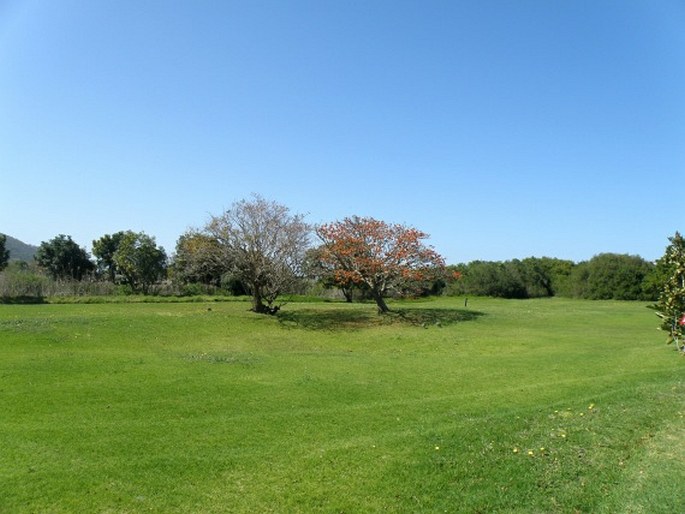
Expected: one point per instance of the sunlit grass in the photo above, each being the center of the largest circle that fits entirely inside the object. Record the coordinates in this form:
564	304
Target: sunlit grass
504	406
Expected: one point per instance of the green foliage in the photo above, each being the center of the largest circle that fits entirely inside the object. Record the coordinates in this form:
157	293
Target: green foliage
605	276
528	278
232	284
655	280
104	250
140	261
671	304
4	253
131	259
553	406
611	276
545	276
62	258
199	260
497	279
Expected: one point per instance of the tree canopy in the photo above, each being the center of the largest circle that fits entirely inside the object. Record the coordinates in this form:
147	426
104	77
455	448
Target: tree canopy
258	247
62	258
264	245
605	276
139	260
376	254
104	250
198	259
610	276
131	258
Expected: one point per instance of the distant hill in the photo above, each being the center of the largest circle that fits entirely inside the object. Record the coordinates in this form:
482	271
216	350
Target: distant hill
19	250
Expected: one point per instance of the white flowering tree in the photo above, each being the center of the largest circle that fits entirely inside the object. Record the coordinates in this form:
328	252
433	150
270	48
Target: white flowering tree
264	245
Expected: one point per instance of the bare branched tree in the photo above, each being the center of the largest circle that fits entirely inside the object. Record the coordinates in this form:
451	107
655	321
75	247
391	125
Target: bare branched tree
265	246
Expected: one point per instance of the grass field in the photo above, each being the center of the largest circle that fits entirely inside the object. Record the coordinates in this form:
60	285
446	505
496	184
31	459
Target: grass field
505	406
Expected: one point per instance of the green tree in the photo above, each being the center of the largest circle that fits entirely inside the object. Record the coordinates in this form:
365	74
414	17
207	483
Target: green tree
531	277
671	304
535	277
610	276
488	278
264	245
558	272
198	260
104	250
62	258
140	261
4	253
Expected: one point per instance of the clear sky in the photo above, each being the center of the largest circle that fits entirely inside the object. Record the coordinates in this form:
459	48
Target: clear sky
504	129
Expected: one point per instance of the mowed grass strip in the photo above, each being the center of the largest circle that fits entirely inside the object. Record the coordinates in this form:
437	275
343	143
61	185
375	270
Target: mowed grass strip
505	406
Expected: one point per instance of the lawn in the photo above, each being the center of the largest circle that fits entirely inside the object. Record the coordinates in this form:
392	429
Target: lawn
543	406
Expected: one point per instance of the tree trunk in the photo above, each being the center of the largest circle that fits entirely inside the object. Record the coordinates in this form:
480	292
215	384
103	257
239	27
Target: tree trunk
259	306
380	301
257	302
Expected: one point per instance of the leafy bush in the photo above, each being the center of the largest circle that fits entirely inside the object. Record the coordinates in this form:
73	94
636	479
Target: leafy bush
611	276
528	278
605	276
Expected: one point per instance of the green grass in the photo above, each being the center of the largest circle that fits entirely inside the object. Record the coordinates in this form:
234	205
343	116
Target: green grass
508	406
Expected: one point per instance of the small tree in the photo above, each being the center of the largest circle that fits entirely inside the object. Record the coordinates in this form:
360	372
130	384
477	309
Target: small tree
671	305
63	258
377	255
4	253
139	260
264	245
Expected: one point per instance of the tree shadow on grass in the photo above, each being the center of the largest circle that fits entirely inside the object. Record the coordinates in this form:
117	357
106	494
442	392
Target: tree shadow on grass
346	319
328	319
436	317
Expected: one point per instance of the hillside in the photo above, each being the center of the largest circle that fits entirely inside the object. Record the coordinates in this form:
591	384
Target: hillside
19	250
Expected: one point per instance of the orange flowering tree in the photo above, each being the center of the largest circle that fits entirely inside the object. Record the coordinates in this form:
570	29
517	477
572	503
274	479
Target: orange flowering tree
376	255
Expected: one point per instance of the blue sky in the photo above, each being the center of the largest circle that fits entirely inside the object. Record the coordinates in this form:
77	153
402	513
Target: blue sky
504	129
